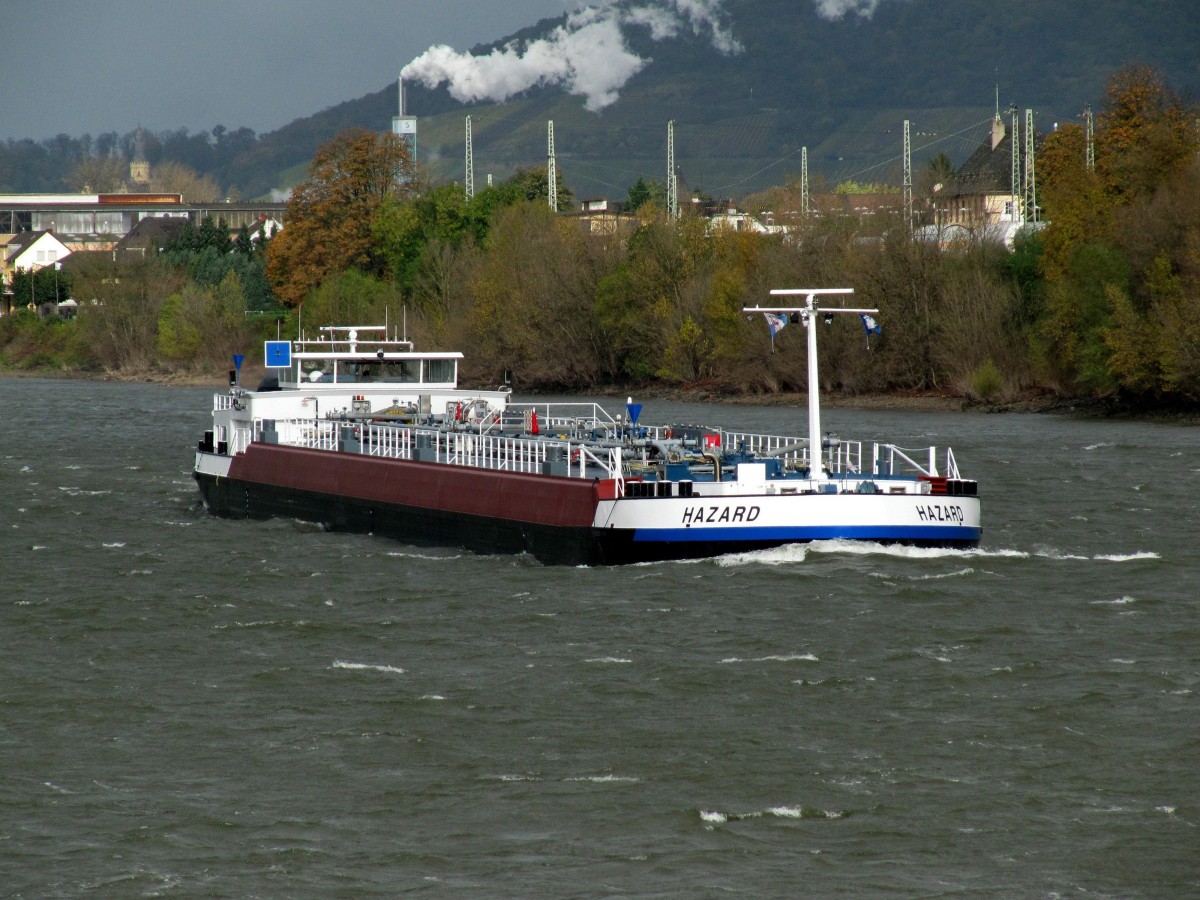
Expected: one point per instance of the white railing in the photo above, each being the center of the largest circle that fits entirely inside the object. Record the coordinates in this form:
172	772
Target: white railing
951	465
889	453
843	457
463	448
522	454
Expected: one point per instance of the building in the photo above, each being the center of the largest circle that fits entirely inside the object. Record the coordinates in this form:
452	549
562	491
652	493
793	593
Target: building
35	226
139	167
605	217
979	202
30	251
735	220
99	221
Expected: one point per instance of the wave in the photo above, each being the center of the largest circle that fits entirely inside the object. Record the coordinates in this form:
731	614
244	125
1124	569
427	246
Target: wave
714	817
795	553
608	659
342	664
1127	557
413	554
936	576
791	657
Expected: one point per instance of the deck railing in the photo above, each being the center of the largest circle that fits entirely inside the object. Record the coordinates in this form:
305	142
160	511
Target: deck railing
568	432
463	448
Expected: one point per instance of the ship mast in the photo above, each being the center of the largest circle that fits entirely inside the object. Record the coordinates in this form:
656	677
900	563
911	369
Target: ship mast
809	314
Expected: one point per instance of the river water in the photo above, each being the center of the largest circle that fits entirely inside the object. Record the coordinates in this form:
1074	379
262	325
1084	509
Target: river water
193	706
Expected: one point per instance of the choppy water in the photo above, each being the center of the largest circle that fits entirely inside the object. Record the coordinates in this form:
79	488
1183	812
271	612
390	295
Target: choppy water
192	706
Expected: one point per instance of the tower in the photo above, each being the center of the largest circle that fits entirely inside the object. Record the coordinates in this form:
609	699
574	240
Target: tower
469	177
551	172
1018	212
1031	211
139	168
1089	138
804	202
672	183
405	127
908	183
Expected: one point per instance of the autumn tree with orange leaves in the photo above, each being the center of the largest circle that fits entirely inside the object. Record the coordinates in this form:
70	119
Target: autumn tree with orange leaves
1122	250
329	216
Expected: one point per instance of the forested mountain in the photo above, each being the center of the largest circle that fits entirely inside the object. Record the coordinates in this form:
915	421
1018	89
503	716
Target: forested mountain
841	87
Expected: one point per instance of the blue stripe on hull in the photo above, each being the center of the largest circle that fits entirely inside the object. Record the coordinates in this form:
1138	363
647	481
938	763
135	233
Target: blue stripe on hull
799	533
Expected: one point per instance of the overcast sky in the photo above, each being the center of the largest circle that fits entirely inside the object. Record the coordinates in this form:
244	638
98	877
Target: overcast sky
76	66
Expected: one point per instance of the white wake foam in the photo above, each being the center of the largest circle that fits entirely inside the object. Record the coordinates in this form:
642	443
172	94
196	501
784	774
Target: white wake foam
715	817
797	553
342	664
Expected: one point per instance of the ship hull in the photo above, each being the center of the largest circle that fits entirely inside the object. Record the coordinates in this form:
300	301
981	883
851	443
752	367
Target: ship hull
565	521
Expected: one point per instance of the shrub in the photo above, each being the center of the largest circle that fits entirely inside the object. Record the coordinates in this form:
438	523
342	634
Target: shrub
987	382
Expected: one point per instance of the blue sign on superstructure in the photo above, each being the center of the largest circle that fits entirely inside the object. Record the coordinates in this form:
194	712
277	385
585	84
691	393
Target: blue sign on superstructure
278	354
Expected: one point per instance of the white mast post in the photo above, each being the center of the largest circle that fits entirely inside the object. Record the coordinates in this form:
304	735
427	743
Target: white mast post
809	314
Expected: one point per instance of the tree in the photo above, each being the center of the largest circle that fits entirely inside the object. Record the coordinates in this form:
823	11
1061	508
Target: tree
176	178
203	325
639	194
119	329
44	285
533	292
1145	132
330	215
98	174
936	173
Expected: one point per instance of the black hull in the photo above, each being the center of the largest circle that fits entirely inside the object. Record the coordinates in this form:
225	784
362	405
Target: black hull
549	544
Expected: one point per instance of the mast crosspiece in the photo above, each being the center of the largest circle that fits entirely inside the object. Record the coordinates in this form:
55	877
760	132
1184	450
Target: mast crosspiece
809	314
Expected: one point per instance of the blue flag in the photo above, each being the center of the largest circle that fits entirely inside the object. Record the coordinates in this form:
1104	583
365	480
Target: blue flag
775	324
870	326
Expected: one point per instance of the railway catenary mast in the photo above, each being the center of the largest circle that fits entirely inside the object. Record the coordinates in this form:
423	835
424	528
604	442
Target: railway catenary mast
908	182
469	174
551	170
1031	210
672	182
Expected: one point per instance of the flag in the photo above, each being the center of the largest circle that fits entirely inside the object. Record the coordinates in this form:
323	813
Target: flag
870	326
775	324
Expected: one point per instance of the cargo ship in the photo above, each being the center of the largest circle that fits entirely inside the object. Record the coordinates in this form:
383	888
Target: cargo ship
358	431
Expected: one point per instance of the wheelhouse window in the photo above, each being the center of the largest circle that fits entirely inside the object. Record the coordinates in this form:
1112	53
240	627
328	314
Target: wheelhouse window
386	370
440	371
316	370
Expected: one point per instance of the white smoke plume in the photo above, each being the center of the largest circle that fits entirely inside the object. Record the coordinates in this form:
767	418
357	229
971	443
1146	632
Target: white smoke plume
587	55
837	9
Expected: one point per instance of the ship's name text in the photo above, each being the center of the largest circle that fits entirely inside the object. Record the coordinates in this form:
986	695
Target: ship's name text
937	512
694	515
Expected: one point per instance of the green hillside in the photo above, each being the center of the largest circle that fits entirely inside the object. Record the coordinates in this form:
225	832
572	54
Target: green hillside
841	88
